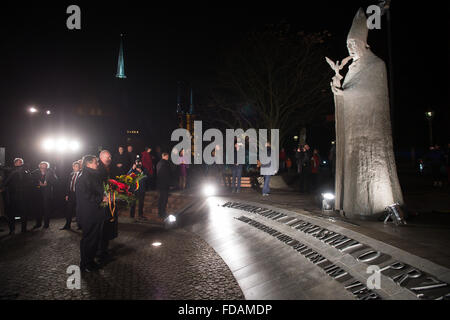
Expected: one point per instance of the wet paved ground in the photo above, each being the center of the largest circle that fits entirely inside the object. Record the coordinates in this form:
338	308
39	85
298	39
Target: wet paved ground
426	235
33	266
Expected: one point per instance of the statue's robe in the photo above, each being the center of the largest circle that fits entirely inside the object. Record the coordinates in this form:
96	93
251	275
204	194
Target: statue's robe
369	181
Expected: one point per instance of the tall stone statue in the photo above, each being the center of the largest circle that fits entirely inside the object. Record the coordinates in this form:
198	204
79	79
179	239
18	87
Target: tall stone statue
366	175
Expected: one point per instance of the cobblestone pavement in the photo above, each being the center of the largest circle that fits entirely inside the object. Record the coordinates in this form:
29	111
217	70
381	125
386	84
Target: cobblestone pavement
33	266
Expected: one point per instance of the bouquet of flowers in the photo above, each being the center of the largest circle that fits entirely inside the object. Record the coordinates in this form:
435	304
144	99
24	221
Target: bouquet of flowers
122	190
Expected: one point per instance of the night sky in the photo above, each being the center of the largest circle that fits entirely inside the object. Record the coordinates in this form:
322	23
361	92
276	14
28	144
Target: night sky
45	64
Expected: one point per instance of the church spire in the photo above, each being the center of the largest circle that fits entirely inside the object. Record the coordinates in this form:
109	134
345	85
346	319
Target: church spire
120	62
191	107
179	108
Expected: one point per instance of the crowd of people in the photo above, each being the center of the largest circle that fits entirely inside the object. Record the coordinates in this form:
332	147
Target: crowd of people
26	194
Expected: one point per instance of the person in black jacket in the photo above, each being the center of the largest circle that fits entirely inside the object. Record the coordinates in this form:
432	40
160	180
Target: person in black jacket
70	194
44	181
131	156
110	229
89	196
164	179
17	186
121	162
138	169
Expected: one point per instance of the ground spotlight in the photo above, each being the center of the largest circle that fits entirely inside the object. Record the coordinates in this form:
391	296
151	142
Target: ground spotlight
209	190
328	201
396	214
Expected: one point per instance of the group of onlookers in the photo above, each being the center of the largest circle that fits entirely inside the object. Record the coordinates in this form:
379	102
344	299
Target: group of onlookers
438	162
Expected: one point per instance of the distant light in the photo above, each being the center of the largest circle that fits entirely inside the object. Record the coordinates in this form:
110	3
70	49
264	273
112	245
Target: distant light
295	138
172	218
48	112
429	114
324	162
209	190
328	196
156	244
32	110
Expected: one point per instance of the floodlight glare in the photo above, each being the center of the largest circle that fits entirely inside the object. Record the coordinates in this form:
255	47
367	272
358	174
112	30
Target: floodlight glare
48	144
327	202
156	244
61	145
32	110
48	112
74	145
209	190
171	218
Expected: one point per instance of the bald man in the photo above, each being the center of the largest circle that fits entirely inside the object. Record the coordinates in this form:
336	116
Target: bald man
110	226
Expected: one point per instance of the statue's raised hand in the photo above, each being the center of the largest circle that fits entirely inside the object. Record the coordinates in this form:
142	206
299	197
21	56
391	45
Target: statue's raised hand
336	90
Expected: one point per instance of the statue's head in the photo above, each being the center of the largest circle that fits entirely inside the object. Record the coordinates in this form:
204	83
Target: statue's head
356	48
357	37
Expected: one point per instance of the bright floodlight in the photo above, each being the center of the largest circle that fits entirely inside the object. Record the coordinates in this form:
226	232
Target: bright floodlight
171	218
32	110
209	190
156	244
61	145
48	112
48	144
328	196
74	145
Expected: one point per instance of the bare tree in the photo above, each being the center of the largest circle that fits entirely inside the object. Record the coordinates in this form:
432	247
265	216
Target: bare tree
274	79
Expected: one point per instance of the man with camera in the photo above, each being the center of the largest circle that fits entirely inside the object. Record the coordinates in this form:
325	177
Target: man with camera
138	169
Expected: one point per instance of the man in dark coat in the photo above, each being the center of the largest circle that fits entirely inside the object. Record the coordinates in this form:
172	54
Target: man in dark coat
131	156
121	162
164	179
110	225
44	181
17	186
303	156
89	196
70	194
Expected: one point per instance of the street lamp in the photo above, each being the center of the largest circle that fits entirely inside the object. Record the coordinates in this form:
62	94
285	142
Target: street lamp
429	115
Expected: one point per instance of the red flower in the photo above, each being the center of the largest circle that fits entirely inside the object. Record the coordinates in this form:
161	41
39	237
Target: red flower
120	185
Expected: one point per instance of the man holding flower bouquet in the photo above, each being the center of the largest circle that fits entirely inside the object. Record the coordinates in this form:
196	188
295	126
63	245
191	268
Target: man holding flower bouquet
110	228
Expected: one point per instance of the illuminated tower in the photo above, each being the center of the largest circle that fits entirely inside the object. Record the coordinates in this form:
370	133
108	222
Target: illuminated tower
179	107
190	117
120	62
122	107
